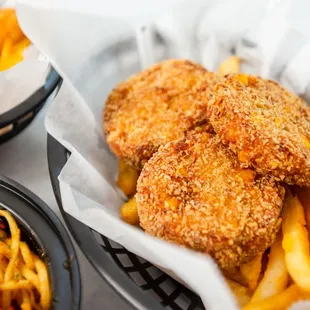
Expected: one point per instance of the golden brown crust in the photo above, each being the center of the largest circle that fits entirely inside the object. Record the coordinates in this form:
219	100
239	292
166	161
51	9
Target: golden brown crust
193	192
265	125
156	106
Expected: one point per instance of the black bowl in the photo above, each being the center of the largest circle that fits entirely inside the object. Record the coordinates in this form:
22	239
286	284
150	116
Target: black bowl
45	234
140	283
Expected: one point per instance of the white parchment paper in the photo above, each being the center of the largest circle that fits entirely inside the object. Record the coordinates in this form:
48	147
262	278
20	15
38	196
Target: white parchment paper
21	81
93	51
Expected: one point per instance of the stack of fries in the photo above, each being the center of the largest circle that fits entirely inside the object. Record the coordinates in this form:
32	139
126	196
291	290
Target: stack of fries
12	40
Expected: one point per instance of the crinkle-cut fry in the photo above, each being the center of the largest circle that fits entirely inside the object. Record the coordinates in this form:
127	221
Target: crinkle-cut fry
230	65
240	292
129	212
280	301
251	271
276	276
295	242
303	194
45	291
127	178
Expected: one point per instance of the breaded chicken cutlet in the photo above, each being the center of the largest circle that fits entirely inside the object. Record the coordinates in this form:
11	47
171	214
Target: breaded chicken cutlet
193	192
156	106
265	125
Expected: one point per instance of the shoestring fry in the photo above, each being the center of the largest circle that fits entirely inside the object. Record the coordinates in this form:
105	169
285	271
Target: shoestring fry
24	278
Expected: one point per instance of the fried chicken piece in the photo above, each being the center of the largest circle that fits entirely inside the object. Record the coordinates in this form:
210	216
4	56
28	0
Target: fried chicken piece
156	106
195	193
265	125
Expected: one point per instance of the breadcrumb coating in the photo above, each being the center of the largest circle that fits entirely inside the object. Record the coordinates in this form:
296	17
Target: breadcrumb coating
156	106
193	192
265	125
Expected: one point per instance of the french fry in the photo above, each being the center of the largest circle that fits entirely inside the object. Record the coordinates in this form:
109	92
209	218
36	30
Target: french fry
4	15
127	179
235	275
230	65
240	292
303	194
129	212
12	40
13	30
6	49
21	45
295	242
280	301
251	271
276	276
11	61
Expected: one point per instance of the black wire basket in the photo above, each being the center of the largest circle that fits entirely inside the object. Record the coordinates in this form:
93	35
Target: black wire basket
139	282
15	120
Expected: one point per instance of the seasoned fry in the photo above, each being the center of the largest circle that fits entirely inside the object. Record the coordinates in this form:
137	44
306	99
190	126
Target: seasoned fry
230	65
251	271
23	276
129	212
295	242
240	292
13	285
31	277
15	239
26	304
27	257
44	291
280	301
276	275
127	179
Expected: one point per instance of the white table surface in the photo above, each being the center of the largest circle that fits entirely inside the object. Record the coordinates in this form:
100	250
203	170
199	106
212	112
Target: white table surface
24	160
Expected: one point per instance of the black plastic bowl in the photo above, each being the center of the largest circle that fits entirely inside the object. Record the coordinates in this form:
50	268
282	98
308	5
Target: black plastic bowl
47	236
